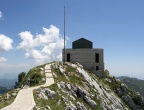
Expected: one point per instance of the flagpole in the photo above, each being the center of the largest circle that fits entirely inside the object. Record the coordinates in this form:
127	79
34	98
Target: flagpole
64	35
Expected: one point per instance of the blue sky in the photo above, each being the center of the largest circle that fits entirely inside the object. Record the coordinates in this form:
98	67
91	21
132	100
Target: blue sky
117	26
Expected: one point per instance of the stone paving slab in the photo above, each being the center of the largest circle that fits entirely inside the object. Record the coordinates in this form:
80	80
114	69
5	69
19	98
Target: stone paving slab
49	81
47	66
47	71
49	75
25	99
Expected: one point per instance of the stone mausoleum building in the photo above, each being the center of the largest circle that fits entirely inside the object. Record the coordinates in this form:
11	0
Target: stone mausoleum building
83	52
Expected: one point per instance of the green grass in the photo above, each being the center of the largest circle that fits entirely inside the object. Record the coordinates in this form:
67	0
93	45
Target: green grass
35	76
7	102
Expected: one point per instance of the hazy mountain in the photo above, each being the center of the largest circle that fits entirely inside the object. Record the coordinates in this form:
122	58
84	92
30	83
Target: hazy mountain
3	90
133	83
8	83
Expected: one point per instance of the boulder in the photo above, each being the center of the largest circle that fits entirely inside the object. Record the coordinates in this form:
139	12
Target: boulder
65	99
7	96
70	106
62	71
123	87
81	106
50	92
62	85
121	93
72	97
79	65
90	102
68	86
48	107
14	94
42	94
82	92
129	102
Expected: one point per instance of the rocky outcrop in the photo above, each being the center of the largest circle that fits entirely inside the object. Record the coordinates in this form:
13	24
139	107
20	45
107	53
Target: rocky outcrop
43	93
50	92
83	90
129	102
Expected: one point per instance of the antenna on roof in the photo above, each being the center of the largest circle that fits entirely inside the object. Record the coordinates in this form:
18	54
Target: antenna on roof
64	37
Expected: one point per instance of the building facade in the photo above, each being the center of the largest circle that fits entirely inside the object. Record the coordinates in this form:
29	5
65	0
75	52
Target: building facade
82	52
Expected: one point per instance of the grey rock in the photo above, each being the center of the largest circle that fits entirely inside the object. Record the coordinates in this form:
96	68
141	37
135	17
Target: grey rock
7	96
50	92
68	86
90	102
129	102
62	84
108	80
73	93
59	102
70	106
82	92
48	107
14	94
62	71
44	96
58	85
72	97
78	64
81	106
121	93
74	88
39	96
65	99
123	87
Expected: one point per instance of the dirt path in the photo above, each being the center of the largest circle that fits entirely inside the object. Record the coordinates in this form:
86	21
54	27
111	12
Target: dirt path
25	99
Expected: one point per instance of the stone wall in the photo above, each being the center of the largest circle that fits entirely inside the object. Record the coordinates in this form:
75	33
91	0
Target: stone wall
86	57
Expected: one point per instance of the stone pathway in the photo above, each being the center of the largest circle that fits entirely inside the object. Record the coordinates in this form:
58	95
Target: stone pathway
25	99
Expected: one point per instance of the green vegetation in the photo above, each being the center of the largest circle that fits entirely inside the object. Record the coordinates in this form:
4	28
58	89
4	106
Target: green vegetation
4	101
20	79
32	78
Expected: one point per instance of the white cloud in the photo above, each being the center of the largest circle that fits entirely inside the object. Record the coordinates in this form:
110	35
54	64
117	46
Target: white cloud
2	59
8	70
5	43
42	47
1	15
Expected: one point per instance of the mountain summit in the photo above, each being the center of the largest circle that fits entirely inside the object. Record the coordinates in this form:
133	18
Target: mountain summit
75	88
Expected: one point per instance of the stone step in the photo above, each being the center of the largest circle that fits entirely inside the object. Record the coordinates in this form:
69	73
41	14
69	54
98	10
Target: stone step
49	75
47	71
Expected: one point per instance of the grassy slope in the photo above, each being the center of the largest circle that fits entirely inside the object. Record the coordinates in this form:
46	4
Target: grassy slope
5	102
73	79
34	75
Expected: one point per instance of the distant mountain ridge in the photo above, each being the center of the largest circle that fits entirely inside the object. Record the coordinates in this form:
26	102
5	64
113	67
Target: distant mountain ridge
133	83
7	83
3	90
